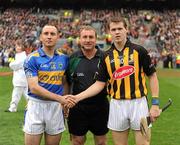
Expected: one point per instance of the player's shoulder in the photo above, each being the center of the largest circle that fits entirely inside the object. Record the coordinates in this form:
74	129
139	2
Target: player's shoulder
136	46
60	53
76	54
34	54
107	51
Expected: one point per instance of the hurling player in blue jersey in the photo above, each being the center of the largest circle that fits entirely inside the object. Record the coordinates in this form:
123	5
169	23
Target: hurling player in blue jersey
45	71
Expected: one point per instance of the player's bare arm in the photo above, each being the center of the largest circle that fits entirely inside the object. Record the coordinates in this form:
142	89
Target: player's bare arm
40	91
93	90
65	85
154	87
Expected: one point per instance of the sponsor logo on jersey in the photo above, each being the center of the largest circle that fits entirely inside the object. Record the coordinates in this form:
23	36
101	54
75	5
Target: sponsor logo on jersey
44	65
123	72
50	77
80	74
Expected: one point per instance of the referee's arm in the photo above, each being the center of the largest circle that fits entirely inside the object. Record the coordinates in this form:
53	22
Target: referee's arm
93	90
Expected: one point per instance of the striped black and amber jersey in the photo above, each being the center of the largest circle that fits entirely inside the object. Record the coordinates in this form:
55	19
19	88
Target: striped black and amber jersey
125	71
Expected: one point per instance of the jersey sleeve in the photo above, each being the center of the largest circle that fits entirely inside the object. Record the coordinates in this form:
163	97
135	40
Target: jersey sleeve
31	67
102	74
146	62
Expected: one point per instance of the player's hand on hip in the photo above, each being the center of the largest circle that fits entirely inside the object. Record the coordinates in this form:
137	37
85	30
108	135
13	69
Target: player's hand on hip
155	112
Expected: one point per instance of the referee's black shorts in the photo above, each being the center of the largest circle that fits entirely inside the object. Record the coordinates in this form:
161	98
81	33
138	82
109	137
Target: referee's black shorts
89	117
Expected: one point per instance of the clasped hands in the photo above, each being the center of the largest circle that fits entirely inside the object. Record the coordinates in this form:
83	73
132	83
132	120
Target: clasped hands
67	102
70	100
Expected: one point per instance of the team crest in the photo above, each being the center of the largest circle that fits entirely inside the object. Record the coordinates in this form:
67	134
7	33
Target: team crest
60	65
131	58
53	65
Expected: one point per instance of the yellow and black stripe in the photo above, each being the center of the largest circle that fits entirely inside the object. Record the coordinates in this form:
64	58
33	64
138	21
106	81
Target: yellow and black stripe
133	85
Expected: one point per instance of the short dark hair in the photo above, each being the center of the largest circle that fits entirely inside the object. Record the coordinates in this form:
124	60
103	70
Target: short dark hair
87	27
48	25
116	20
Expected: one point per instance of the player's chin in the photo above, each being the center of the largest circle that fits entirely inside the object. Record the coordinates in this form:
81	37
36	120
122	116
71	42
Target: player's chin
88	47
50	45
118	40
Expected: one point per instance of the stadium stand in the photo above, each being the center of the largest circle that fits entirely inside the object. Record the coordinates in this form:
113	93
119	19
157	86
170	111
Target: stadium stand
158	31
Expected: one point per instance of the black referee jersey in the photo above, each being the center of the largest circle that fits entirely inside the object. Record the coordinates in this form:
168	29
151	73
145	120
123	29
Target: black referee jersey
125	71
82	74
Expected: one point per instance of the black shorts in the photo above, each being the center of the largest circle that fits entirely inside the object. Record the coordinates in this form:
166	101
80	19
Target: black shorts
84	118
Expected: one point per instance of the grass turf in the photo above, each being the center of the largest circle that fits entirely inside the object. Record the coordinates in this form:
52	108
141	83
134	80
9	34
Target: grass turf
165	131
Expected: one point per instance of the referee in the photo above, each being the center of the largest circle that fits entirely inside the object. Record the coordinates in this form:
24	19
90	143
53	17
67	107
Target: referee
90	114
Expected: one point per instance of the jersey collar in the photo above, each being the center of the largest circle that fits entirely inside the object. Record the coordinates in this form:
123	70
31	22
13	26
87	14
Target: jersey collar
80	53
127	44
42	53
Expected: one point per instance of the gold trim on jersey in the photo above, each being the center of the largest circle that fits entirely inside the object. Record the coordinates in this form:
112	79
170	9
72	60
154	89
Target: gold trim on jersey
35	54
111	82
117	65
127	79
136	75
50	77
144	81
59	52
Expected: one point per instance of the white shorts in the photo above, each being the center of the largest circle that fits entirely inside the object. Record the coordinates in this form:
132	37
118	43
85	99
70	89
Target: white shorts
125	114
44	116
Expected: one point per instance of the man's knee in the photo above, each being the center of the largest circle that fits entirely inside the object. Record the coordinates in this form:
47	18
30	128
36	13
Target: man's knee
101	140
78	140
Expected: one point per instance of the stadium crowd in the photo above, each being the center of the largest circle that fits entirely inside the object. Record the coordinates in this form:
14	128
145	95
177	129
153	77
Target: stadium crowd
158	31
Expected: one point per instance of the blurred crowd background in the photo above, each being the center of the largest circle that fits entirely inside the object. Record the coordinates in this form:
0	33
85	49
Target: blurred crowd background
157	31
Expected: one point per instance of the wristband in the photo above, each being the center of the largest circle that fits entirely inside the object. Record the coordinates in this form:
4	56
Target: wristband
155	101
155	97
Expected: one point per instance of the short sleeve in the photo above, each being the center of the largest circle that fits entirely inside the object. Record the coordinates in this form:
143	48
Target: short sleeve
31	67
146	62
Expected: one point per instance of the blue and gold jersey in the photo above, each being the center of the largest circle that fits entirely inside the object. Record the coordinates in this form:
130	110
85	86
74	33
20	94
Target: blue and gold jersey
48	70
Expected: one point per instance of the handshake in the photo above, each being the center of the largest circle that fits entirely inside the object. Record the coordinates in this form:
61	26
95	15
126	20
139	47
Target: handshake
67	102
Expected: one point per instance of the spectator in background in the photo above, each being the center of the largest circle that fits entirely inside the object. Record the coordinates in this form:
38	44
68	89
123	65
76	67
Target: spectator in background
19	79
11	55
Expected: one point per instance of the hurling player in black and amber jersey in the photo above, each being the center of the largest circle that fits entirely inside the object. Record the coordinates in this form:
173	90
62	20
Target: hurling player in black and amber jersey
123	69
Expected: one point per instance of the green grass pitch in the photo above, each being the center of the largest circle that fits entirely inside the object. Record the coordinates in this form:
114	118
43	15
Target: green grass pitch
165	131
